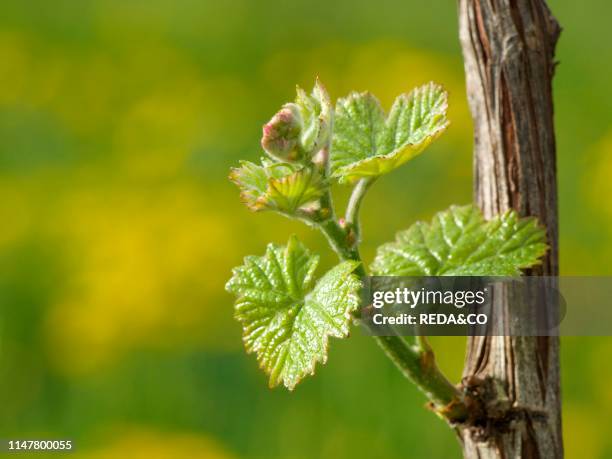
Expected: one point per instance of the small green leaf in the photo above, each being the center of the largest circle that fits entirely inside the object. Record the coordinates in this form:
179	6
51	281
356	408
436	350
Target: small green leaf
277	186
459	242
286	321
365	144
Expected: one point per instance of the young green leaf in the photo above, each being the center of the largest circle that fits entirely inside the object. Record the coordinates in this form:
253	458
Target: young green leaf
286	321
276	186
365	144
459	242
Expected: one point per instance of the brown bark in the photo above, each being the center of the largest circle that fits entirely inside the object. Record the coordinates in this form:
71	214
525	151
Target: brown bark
508	47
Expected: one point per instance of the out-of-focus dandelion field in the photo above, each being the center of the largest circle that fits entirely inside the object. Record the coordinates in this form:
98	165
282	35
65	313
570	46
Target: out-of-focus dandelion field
119	121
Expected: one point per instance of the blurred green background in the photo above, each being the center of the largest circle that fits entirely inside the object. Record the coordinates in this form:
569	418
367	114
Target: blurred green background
119	121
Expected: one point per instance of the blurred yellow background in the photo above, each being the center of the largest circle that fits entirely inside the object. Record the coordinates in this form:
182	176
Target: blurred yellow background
119	121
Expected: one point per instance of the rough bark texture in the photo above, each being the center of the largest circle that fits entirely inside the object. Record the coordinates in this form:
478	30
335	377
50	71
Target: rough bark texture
508	48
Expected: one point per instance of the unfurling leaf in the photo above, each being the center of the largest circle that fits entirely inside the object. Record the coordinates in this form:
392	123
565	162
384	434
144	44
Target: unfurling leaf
317	117
459	242
299	130
286	321
276	186
366	144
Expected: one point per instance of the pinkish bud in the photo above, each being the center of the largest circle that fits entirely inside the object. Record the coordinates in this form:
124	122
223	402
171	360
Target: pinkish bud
281	135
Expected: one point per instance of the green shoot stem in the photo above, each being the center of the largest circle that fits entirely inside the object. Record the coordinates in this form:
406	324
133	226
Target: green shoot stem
419	366
415	361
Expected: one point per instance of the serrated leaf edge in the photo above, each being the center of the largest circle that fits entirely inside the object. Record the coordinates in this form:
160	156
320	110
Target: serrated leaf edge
310	368
343	173
260	203
499	218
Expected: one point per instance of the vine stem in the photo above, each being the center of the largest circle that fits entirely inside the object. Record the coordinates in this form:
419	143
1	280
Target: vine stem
415	361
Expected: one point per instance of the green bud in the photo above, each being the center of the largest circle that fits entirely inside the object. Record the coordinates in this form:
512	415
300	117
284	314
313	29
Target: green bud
281	135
